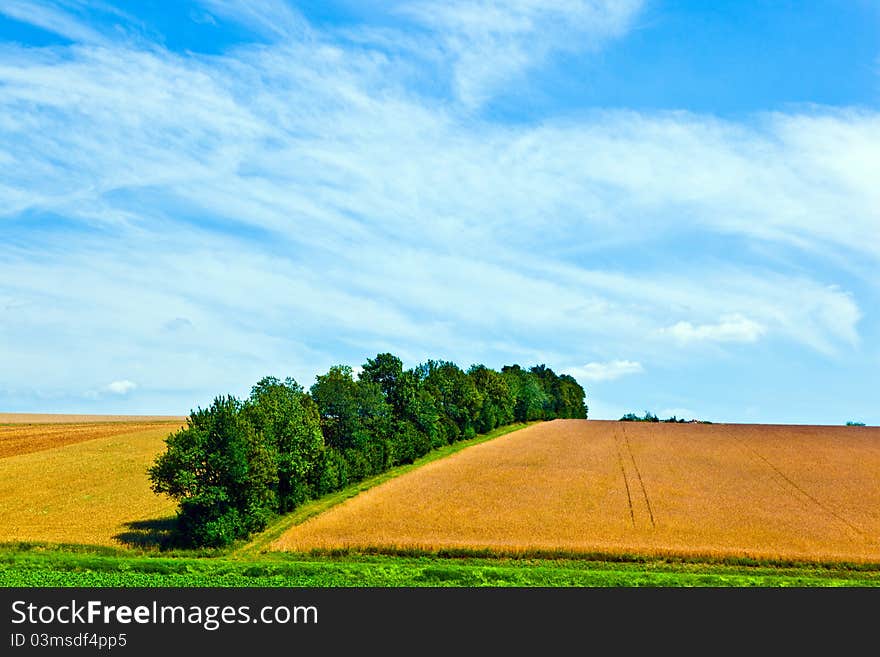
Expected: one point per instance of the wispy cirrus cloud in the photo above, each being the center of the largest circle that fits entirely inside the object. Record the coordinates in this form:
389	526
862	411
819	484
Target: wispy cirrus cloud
276	19
51	17
93	22
299	205
489	43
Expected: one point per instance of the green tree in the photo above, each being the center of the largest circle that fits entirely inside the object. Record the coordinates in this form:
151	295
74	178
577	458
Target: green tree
498	401
549	382
415	418
457	399
355	419
220	472
336	395
632	417
415	405
289	422
385	370
571	398
530	400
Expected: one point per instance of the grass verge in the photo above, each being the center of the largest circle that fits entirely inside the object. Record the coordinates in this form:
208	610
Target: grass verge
55	566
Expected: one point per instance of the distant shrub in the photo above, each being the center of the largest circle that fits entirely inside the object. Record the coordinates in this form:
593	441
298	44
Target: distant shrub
650	417
647	417
855	424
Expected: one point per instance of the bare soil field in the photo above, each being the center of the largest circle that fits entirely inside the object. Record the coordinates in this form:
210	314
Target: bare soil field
38	433
56	418
87	492
722	490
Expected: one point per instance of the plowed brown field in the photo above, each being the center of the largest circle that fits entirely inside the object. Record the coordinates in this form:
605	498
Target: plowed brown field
764	491
22	434
56	418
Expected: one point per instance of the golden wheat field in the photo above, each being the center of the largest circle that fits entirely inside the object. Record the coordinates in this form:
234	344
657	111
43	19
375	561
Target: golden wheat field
79	483
765	491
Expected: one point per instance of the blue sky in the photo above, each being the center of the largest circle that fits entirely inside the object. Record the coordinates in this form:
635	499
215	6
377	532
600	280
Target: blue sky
677	202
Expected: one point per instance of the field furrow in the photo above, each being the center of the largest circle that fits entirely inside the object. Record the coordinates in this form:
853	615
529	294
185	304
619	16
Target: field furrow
24	438
641	481
629	502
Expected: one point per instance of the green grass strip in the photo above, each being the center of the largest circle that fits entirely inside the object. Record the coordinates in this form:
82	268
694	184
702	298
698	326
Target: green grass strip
60	568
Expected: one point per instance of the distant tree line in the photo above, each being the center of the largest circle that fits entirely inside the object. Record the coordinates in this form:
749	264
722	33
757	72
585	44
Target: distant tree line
650	417
647	417
238	463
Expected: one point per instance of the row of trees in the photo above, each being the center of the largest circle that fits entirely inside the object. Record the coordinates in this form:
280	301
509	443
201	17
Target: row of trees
238	462
650	417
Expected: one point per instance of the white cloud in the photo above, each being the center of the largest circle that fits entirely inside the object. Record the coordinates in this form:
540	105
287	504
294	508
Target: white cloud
297	201
491	42
51	19
605	371
322	134
732	328
272	18
122	387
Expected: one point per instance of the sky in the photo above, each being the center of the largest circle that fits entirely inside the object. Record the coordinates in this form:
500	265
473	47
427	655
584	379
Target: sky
676	202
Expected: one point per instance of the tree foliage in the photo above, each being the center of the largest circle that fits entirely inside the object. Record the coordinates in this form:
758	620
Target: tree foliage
221	471
650	417
289	422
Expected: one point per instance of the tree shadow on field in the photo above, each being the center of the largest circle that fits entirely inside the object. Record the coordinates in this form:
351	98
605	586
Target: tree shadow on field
154	533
